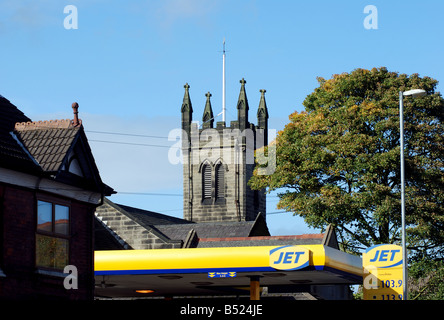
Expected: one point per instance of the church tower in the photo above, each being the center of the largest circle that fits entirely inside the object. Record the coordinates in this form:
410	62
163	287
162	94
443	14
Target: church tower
218	162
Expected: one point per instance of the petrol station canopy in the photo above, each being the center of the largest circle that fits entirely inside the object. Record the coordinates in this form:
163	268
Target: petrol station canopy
221	271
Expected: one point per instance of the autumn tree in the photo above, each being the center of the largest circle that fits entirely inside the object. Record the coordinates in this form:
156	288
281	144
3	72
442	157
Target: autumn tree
338	162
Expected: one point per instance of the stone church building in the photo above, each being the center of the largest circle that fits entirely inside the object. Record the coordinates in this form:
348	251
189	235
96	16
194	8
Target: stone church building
217	201
219	207
219	162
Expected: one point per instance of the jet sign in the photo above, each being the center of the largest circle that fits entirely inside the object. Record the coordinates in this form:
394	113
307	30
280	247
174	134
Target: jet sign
289	258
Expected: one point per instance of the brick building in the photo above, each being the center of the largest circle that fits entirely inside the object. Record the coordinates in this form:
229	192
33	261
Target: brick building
49	189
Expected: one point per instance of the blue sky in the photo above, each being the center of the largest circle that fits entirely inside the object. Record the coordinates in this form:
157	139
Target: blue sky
127	62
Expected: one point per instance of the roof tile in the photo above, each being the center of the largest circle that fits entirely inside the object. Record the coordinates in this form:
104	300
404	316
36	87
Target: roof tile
47	141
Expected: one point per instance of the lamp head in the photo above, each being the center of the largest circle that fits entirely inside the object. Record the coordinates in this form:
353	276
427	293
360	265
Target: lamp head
415	93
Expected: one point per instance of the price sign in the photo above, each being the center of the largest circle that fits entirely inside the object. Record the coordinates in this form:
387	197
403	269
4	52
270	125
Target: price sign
383	272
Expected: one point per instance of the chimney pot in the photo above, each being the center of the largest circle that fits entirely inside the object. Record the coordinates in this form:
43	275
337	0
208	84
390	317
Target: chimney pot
75	108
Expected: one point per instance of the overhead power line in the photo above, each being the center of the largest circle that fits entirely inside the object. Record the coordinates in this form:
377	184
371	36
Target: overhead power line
133	144
150	194
118	192
130	135
127	134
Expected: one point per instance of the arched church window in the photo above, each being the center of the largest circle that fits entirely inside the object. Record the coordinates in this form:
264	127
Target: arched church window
206	181
220	181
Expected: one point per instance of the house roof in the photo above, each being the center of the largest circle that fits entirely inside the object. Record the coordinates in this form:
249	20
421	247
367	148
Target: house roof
54	144
48	142
46	148
12	154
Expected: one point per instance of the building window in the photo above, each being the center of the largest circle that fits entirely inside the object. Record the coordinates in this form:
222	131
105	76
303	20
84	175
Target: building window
220	182
52	237
206	181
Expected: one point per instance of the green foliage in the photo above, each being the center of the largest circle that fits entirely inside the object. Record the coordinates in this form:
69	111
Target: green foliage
338	161
426	279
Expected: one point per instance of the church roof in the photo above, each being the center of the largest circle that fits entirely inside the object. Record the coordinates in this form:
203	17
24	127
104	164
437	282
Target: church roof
261	241
171	231
150	218
208	229
168	229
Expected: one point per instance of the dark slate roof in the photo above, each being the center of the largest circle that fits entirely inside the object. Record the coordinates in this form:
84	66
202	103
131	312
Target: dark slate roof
177	229
48	141
262	241
210	234
103	239
12	154
208	229
328	238
149	218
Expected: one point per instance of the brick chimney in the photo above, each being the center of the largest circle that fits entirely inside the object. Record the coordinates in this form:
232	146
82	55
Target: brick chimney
75	108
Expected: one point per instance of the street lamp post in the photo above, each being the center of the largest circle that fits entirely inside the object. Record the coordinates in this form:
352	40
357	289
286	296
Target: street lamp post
413	93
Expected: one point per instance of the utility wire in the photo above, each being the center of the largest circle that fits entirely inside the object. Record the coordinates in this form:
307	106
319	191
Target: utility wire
130	135
150	194
118	192
133	144
276	212
127	134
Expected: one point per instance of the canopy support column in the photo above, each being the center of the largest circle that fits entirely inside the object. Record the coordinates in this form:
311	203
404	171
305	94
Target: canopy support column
255	292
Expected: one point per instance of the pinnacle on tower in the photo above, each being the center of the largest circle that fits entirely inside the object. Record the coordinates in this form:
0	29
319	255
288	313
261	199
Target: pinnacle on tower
208	118
186	105
242	107
262	111
186	110
262	119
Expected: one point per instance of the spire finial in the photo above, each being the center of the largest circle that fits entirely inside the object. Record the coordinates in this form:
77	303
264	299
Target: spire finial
208	118
262	111
186	104
242	107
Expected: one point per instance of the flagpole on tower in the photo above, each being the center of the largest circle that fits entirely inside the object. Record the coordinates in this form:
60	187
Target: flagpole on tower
223	82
